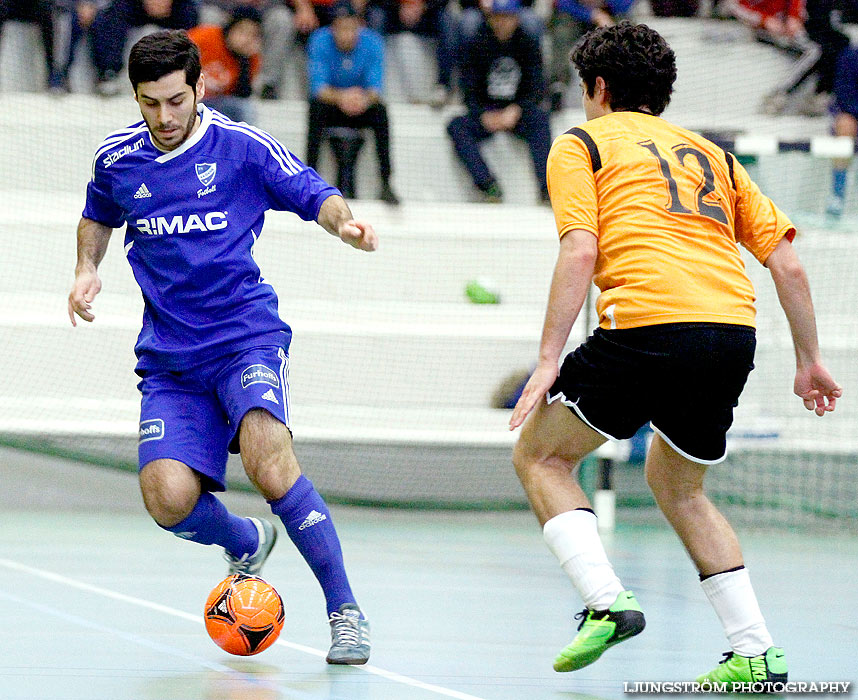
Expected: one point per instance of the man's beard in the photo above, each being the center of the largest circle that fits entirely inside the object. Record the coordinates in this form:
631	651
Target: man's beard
188	128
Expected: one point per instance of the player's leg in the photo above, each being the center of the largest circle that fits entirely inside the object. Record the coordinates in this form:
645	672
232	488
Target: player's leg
677	484
109	33
255	392
710	366
173	496
376	119
534	127
318	119
552	444
845	124
181	425
467	132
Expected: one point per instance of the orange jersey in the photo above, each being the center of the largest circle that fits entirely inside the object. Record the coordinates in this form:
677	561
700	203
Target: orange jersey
220	67
668	208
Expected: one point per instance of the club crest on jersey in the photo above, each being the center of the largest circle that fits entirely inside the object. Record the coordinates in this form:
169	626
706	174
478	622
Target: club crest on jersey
206	172
259	374
152	429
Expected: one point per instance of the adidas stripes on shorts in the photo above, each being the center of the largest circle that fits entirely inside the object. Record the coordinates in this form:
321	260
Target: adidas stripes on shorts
193	415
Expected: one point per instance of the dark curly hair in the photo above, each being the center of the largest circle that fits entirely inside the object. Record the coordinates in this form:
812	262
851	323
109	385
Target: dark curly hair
161	53
637	65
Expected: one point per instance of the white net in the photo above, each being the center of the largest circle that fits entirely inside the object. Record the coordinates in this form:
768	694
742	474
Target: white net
393	368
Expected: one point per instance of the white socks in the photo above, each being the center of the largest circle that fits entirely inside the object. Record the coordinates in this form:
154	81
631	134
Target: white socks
574	539
732	596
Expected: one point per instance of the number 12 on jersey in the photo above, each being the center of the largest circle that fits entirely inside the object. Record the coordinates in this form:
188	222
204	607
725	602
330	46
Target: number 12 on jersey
682	151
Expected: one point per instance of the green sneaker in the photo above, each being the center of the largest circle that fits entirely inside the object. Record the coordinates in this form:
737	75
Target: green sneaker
765	668
599	630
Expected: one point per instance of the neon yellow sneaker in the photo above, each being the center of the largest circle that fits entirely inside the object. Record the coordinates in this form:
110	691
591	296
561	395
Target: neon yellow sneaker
600	630
767	669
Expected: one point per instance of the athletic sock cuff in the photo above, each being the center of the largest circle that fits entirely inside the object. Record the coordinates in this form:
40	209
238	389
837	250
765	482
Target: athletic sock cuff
295	495
703	577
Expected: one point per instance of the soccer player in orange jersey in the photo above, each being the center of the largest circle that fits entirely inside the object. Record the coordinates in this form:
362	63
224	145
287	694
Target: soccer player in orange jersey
654	215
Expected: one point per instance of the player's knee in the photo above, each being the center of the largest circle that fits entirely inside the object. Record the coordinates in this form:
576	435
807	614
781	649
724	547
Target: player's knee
523	458
170	491
273	474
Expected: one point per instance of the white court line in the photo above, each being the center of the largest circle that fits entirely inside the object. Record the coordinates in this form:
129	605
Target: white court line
157	607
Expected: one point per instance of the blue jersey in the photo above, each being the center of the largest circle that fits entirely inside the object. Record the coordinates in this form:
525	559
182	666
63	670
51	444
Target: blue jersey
193	216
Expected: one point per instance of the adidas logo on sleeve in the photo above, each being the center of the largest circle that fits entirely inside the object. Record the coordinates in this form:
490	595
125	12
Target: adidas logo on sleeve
312	519
269	396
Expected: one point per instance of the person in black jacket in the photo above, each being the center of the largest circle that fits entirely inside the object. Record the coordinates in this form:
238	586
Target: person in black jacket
503	86
111	25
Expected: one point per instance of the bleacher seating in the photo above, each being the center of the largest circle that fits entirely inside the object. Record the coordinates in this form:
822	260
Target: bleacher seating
404	303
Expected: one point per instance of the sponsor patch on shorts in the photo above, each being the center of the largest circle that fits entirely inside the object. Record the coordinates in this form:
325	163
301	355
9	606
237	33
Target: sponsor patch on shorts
152	429
259	374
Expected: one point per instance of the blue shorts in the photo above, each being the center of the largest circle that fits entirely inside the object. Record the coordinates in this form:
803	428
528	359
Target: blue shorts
193	415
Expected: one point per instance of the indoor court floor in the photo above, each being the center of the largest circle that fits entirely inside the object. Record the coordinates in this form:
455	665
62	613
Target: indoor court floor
100	604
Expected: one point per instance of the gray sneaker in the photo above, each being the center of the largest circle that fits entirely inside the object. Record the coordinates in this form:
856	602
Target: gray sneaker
349	636
252	563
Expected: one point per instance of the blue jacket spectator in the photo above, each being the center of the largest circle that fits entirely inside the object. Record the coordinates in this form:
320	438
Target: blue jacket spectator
328	65
345	68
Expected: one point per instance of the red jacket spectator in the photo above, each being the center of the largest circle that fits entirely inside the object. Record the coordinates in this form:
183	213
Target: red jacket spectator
758	13
220	65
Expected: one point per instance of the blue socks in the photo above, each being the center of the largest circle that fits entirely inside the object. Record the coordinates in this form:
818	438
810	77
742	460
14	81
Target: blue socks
838	183
211	523
308	522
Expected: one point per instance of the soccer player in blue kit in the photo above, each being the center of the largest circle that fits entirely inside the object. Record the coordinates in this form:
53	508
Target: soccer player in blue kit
192	188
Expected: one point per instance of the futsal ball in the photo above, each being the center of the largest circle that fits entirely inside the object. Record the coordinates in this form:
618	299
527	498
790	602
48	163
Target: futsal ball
244	615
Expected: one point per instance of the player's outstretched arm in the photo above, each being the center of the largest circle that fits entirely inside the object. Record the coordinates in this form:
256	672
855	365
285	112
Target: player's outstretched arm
572	276
337	219
813	382
92	240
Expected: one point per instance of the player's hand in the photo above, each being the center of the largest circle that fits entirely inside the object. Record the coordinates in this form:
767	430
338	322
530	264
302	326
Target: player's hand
816	387
537	386
491	120
510	116
359	234
86	286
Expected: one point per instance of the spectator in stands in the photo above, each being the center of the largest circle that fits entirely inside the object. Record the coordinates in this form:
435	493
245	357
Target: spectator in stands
40	12
73	21
230	58
425	18
781	23
570	20
503	86
473	16
111	26
278	37
345	65
823	20
845	110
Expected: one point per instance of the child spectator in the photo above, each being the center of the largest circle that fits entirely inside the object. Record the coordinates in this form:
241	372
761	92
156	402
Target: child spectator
230	58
